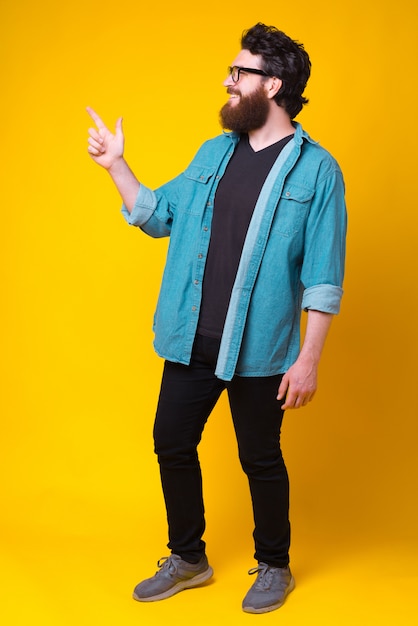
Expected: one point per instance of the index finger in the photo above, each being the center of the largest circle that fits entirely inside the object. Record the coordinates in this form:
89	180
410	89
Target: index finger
290	398
283	387
96	118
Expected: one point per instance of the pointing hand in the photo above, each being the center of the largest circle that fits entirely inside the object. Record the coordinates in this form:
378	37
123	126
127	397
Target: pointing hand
105	148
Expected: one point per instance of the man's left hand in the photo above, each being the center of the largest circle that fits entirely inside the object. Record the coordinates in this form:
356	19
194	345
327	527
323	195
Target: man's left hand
299	384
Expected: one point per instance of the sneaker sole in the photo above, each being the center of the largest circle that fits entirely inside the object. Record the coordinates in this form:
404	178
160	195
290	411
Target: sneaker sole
180	586
272	607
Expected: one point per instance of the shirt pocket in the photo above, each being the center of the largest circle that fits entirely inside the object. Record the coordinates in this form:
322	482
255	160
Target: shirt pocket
292	210
199	173
196	188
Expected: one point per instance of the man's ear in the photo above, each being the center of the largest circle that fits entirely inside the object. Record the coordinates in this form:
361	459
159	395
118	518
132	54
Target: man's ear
273	86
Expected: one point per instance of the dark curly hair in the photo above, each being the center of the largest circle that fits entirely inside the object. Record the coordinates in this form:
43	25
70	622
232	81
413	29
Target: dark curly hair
282	57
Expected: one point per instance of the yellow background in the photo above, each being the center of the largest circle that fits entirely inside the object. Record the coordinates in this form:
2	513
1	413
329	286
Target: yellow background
82	518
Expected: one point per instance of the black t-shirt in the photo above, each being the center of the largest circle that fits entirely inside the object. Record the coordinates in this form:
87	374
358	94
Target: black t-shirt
235	200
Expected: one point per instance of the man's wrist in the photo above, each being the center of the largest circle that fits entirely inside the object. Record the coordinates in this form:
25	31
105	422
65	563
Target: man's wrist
117	167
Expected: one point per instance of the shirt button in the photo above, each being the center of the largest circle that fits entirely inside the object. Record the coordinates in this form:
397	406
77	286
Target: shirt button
193	308
196	282
287	194
200	256
205	228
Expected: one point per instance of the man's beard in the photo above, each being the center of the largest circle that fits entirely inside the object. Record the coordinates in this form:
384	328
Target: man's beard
250	113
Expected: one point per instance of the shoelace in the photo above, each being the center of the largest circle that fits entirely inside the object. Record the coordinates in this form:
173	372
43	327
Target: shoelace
166	563
265	576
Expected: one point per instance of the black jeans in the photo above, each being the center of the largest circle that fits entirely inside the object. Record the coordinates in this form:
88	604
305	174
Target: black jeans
188	395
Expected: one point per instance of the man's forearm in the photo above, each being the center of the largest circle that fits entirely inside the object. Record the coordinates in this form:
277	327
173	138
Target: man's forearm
299	383
317	328
126	182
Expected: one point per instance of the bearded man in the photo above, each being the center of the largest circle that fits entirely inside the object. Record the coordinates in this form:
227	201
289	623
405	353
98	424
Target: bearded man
257	224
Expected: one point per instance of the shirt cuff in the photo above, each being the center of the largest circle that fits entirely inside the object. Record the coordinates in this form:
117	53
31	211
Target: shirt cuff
325	298
144	207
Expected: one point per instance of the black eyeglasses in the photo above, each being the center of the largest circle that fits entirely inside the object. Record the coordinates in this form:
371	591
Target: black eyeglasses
235	71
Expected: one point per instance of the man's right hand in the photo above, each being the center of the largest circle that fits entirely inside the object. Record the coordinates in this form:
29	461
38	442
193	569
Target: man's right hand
105	148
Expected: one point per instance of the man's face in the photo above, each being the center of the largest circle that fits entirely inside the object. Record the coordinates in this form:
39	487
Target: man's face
248	106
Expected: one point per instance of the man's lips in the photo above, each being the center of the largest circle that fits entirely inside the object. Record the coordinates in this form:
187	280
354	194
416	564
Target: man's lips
233	95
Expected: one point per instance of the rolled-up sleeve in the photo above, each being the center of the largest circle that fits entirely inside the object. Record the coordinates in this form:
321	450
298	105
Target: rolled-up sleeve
153	210
144	207
325	298
324	258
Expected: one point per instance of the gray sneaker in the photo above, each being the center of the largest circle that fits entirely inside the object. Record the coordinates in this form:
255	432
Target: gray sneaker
270	589
173	576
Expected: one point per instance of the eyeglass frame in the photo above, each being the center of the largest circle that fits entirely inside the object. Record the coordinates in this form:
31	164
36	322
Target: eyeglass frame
249	70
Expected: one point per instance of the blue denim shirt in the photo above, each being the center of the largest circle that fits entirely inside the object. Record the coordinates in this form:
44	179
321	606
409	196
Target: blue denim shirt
293	255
